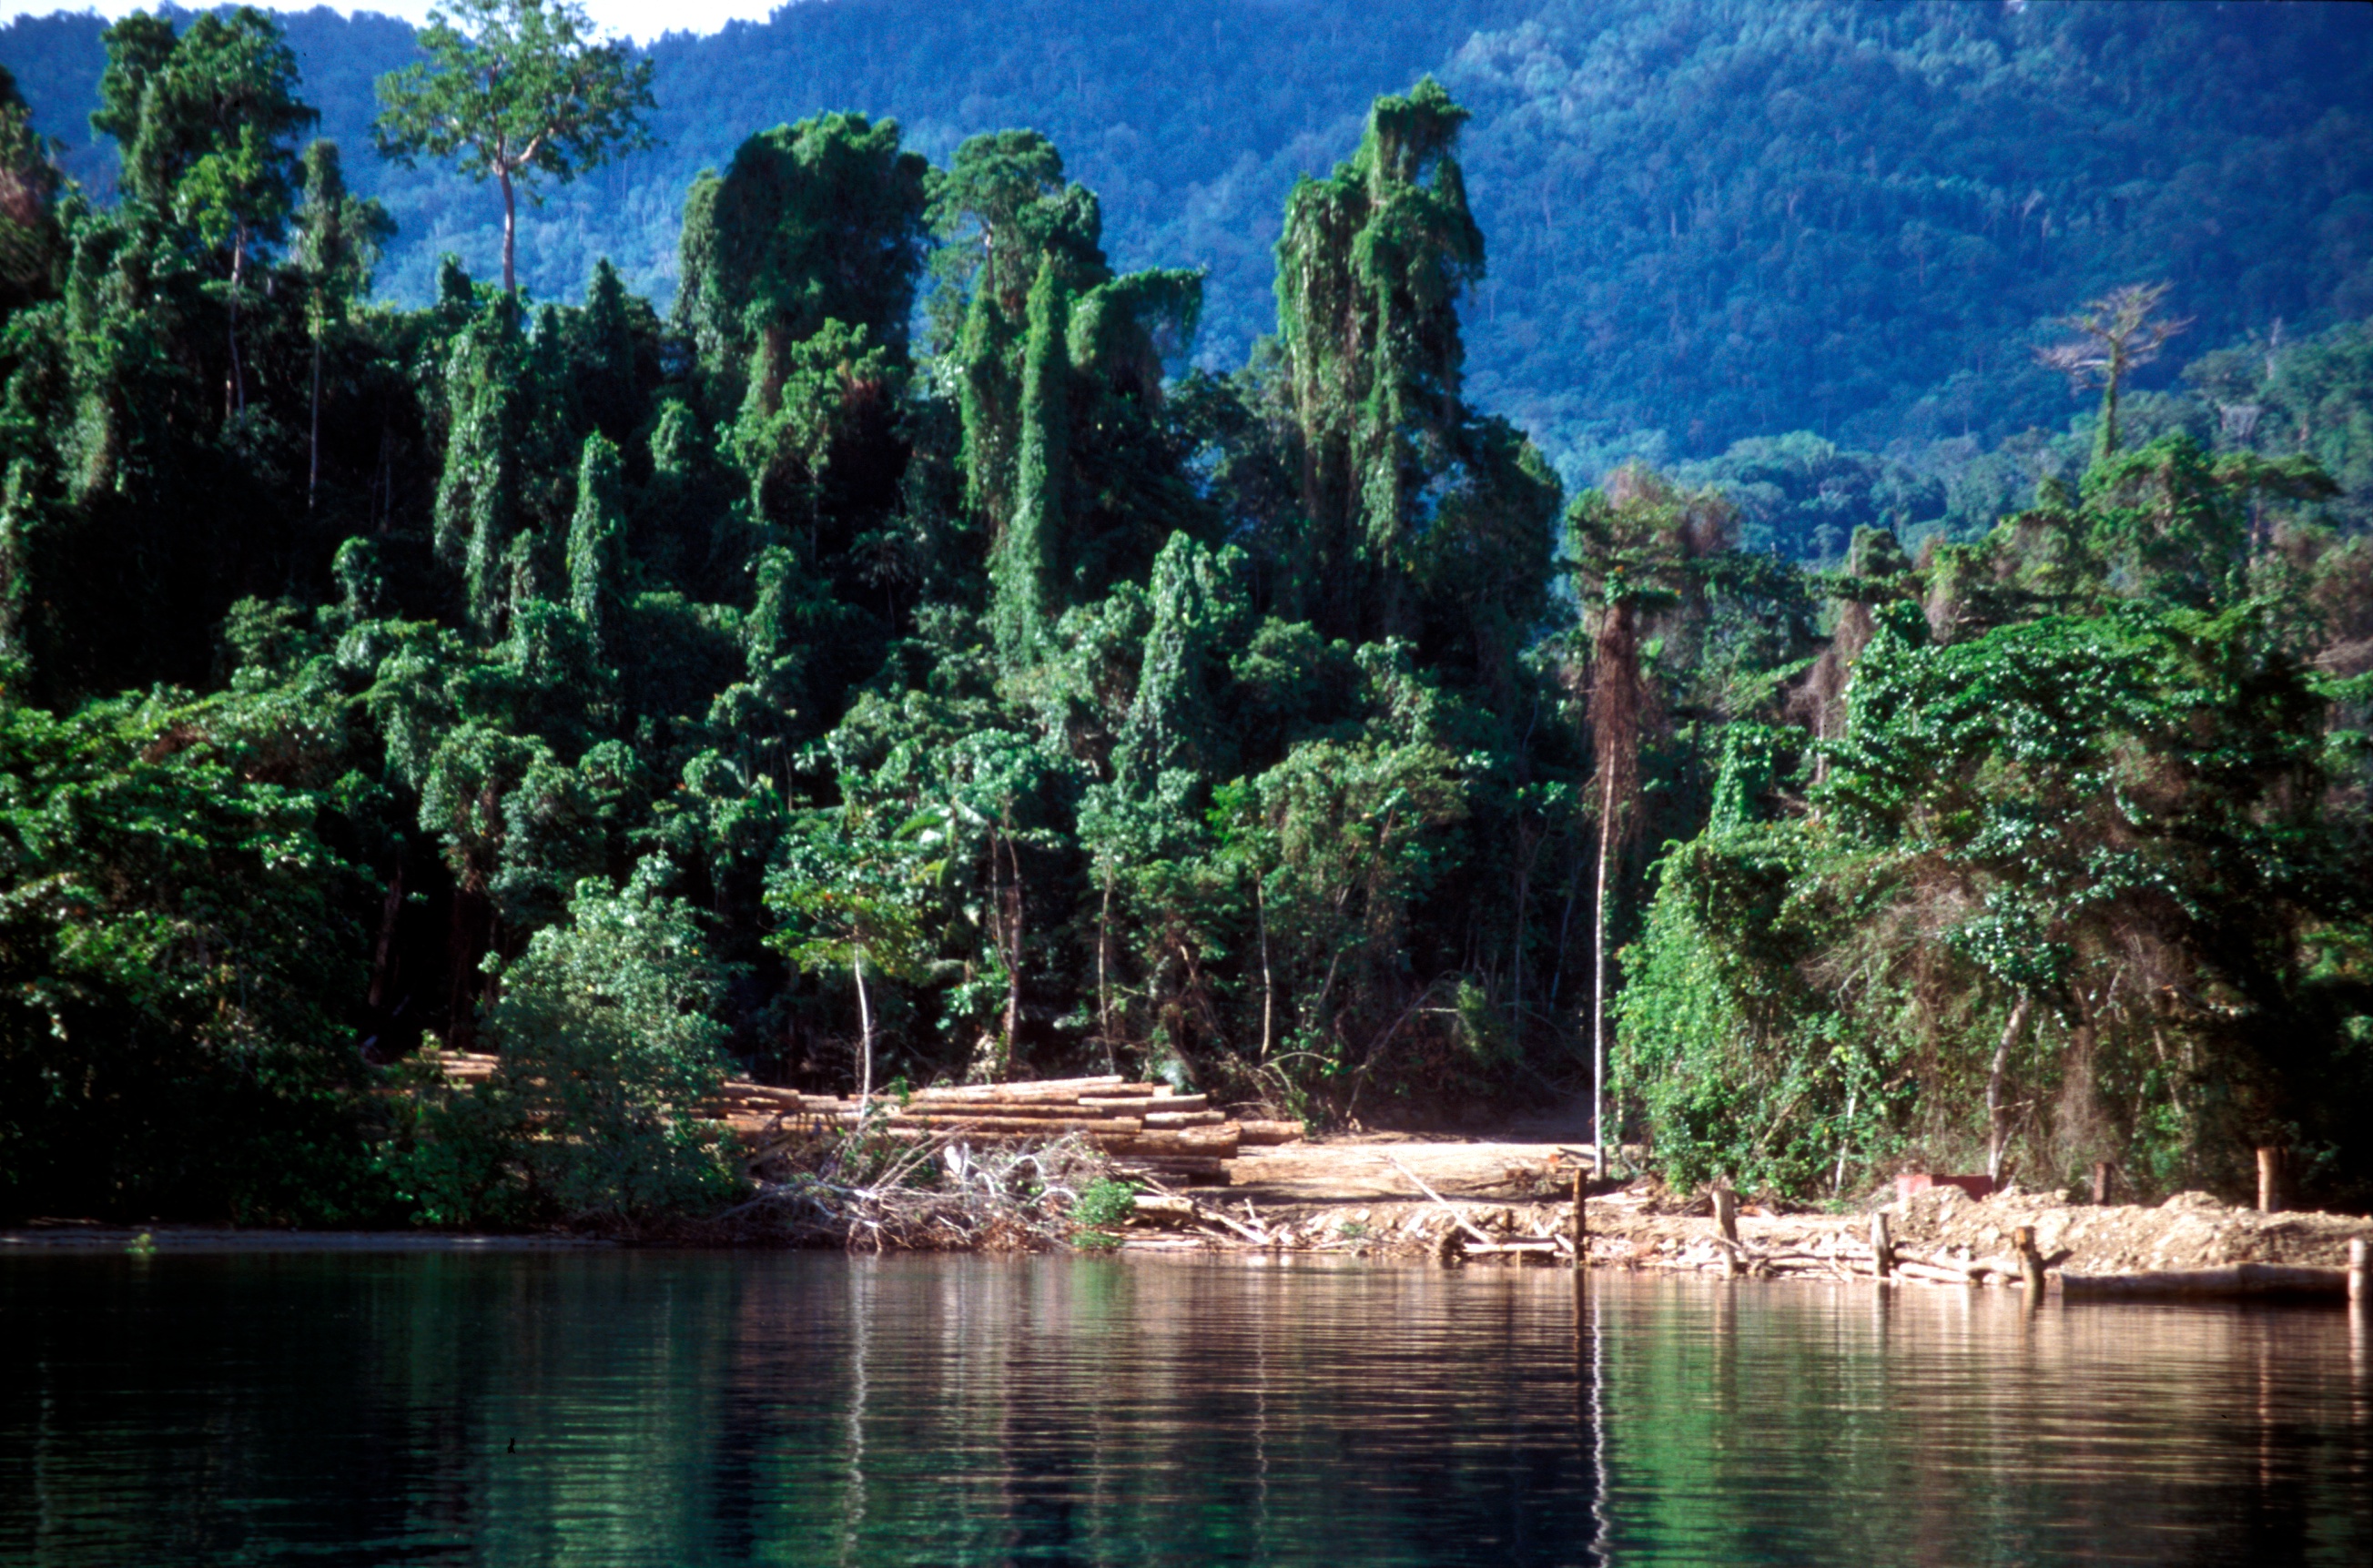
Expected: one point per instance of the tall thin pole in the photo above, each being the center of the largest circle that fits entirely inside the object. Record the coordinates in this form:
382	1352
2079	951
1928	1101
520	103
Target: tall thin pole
865	1030
1599	990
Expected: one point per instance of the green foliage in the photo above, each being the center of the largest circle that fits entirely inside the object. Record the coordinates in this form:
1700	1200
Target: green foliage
1369	274
174	945
1022	564
1102	1204
1024	699
817	222
607	1041
1959	174
515	91
205	121
30	240
597	536
2075	862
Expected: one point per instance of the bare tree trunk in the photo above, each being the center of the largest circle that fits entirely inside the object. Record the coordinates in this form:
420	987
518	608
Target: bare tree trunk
313	471
1016	913
238	371
511	231
1103	968
1616	700
1268	985
2110	398
1998	1133
1598	993
865	1030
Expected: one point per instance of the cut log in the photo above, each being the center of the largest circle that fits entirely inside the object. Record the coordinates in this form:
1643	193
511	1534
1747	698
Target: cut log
2240	1280
1932	1274
1132	1104
1174	1167
941	1111
1266	1134
1037	1128
1048	1090
1177	1119
1199	1142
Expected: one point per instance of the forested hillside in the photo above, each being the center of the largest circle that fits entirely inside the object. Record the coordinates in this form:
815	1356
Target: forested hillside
1710	222
889	657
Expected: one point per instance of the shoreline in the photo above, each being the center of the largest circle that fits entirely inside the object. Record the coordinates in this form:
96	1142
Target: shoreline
198	1240
1481	1204
1938	1237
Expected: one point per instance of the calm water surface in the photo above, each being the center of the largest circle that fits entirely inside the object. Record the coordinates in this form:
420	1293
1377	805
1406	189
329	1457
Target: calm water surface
664	1407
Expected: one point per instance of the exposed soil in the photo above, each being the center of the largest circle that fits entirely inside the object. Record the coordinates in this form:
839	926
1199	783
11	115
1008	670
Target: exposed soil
1362	1195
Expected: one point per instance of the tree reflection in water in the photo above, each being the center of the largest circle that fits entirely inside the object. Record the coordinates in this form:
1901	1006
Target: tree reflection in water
760	1408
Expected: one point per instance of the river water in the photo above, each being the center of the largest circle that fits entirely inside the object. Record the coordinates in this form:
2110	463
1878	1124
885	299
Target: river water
598	1408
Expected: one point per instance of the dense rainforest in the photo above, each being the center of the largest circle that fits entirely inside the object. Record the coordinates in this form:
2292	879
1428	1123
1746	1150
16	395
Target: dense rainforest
920	647
1712	221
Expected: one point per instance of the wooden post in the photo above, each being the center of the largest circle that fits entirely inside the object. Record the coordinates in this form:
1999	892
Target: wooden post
2100	1182
1725	1211
1581	1221
2360	1275
1882	1245
2269	1173
2030	1260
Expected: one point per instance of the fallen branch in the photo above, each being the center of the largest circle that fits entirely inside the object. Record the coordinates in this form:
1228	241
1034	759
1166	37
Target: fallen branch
1457	1218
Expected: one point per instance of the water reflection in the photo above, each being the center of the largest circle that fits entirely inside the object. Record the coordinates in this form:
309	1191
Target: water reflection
672	1409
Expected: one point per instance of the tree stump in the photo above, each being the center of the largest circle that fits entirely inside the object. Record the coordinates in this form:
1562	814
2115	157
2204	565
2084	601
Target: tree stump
2030	1260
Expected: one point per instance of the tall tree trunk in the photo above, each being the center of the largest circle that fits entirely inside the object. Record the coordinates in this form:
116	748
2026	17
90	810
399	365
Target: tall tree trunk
1616	701
1016	913
1598	989
1268	984
237	274
313	469
1103	968
1997	1130
511	231
865	1030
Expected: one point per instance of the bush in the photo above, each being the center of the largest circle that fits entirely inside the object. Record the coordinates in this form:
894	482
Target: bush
605	1032
1103	1203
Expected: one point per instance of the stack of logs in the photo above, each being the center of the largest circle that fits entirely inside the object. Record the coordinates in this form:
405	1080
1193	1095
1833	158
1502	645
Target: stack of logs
1151	1128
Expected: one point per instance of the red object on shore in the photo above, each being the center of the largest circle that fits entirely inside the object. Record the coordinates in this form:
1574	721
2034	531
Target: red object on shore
1920	1180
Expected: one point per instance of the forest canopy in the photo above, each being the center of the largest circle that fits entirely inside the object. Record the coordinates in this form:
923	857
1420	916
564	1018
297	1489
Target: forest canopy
928	644
1710	222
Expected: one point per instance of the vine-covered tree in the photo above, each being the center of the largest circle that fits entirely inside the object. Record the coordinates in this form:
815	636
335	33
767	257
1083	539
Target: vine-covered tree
1026	696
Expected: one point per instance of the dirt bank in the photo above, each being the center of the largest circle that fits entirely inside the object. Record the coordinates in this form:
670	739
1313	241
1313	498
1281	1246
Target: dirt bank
1511	1202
